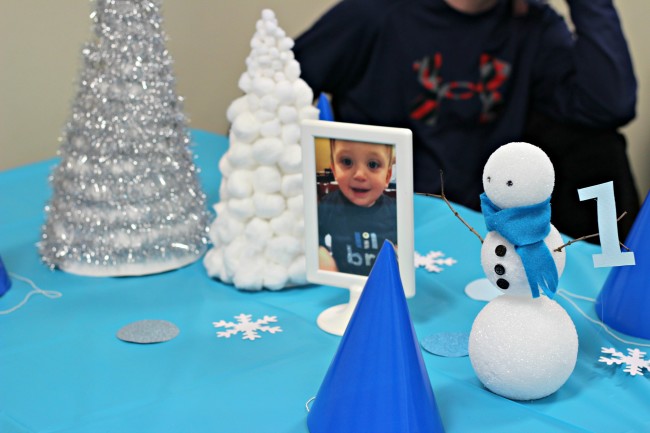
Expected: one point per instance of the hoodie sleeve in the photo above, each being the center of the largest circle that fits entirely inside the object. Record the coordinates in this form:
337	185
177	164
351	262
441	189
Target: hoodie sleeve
587	76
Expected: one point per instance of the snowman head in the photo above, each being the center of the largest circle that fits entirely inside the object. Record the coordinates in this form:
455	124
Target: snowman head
518	174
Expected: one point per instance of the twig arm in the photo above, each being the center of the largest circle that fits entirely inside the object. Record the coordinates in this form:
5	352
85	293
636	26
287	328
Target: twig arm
582	238
456	214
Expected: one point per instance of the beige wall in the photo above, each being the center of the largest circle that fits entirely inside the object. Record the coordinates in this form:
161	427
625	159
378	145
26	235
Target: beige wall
40	43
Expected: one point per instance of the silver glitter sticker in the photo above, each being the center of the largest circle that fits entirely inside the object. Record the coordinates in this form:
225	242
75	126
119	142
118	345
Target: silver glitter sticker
148	331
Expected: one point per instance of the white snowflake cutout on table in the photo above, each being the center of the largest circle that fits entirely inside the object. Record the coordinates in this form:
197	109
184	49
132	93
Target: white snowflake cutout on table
634	362
247	327
433	261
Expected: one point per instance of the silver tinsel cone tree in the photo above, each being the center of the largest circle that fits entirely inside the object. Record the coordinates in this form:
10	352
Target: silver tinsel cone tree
126	198
258	233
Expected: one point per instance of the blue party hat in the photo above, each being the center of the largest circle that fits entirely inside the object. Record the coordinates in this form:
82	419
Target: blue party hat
325	108
5	281
377	381
624	301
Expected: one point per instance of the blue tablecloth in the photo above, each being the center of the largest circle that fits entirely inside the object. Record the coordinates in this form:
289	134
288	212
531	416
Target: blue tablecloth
62	369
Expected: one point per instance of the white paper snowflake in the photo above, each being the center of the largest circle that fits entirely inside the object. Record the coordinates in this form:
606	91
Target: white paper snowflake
634	362
433	261
247	327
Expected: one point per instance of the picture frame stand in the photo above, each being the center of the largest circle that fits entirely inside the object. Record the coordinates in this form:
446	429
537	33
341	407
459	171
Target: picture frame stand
334	320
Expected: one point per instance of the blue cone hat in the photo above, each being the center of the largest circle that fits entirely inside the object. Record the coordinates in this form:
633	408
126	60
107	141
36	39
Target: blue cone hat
624	301
377	381
5	282
325	108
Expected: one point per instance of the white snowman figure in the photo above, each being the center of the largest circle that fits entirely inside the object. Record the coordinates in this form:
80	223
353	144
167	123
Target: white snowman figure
522	346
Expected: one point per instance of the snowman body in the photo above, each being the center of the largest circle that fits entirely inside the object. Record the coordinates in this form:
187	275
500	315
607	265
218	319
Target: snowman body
521	347
503	266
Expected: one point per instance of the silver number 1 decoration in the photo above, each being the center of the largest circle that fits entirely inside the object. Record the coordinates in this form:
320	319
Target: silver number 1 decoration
608	231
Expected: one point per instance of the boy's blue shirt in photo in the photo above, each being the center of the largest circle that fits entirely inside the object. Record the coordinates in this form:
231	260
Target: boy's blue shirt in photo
357	233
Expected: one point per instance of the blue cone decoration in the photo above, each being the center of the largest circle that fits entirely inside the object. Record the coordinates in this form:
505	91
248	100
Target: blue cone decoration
377	381
325	108
624	301
5	282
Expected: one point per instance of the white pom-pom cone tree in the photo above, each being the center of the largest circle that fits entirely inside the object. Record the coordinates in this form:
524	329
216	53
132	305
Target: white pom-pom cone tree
258	233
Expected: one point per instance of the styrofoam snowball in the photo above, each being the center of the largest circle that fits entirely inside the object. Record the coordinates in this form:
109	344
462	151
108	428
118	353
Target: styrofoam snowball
236	107
298	271
267	150
258	232
523	349
279	76
275	277
268	205
295	205
241	208
284	223
285	44
271	128
298	229
284	92
212	233
233	253
262	85
292	70
240	155
304	94
309	112
224	165
291	133
265	116
256	41
223	190
269	103
245	83
262	49
264	61
279	33
213	261
268	14
291	184
283	249
270	26
248	275
267	179
287	56
240	184
228	228
275	53
246	127
518	174
509	264
253	102
291	159
288	114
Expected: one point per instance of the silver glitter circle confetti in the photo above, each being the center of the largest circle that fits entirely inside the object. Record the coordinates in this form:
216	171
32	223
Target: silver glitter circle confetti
125	196
148	331
447	344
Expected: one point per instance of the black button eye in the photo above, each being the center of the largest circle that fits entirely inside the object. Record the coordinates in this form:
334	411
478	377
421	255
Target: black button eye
509	183
489	178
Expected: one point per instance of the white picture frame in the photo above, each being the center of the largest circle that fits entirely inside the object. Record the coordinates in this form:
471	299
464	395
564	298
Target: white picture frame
402	178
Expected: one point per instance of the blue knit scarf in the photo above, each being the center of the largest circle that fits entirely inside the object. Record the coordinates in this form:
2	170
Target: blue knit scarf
526	227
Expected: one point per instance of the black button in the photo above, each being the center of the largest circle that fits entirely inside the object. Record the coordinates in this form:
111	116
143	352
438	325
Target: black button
503	284
500	250
499	269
